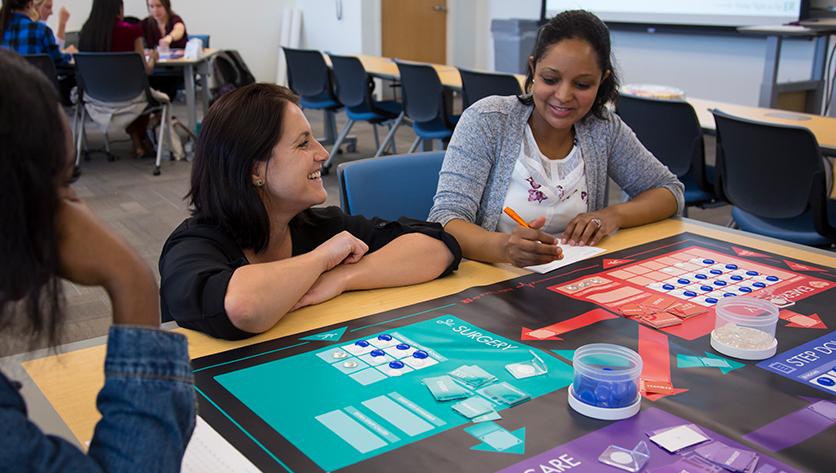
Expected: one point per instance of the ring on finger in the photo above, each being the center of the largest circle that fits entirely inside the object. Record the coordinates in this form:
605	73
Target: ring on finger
596	221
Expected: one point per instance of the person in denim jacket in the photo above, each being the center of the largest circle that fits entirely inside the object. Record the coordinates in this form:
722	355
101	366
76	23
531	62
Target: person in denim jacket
147	403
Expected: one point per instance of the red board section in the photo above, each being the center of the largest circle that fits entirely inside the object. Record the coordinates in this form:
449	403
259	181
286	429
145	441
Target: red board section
551	332
656	372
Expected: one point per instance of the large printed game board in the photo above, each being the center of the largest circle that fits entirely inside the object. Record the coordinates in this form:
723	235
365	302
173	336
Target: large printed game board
356	396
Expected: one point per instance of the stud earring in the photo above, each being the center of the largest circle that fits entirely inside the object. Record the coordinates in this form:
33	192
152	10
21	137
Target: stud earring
259	182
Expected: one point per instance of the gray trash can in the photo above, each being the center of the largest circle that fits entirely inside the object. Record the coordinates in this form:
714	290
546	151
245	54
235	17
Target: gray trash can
513	41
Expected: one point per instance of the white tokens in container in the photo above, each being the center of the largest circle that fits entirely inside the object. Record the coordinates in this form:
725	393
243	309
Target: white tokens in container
745	328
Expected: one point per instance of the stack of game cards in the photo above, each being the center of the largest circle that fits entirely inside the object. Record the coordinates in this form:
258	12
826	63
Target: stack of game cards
729	458
661	311
472	376
675	439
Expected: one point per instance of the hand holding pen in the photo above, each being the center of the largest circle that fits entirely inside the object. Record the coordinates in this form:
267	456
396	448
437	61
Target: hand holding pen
528	245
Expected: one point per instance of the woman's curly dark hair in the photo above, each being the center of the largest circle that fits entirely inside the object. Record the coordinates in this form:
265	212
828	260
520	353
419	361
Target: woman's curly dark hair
578	24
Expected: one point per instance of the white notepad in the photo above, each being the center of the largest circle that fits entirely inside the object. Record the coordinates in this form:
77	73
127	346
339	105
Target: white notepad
571	254
208	452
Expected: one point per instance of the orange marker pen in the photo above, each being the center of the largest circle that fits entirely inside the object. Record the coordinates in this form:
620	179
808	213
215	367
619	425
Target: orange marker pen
510	212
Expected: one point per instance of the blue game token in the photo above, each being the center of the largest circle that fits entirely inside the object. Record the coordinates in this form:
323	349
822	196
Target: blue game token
362	343
384	337
729	294
731	266
708	261
420	354
759	284
736	278
377	352
683	281
825	382
701	276
706	288
668	287
396	365
711	300
690	293
772	278
752	273
720	283
402	346
745	289
715	271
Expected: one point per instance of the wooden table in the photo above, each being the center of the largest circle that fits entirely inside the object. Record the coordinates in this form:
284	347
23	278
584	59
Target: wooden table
70	381
385	68
824	128
189	66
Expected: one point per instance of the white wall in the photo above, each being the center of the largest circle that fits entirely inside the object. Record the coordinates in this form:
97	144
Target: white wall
251	26
725	68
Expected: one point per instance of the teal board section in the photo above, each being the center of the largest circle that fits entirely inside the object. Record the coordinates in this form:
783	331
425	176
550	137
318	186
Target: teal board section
340	404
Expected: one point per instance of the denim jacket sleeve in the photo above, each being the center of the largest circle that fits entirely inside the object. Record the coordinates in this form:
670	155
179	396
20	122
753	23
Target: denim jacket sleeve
147	406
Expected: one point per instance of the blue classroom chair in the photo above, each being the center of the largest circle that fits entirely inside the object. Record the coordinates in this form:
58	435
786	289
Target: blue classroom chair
776	179
308	75
671	131
477	85
425	104
354	90
390	187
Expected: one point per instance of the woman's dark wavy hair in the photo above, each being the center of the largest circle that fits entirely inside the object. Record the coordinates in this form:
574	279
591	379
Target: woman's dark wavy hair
578	24
8	9
33	161
97	33
167	5
241	129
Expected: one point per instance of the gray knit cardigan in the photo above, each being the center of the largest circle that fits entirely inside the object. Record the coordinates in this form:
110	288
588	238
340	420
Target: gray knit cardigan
480	159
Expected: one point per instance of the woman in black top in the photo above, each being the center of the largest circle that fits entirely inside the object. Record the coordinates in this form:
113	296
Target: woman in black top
254	249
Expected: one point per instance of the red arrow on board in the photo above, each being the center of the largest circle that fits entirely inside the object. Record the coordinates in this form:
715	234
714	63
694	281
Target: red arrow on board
551	332
656	370
609	263
801	267
748	253
797	320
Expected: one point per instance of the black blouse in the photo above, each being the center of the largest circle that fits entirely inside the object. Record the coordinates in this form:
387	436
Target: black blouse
199	257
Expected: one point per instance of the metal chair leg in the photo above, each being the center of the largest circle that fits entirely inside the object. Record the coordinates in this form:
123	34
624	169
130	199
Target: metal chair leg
390	136
414	145
338	143
376	138
80	139
163	125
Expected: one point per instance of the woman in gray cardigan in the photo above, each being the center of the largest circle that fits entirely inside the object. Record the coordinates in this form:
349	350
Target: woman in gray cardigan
548	154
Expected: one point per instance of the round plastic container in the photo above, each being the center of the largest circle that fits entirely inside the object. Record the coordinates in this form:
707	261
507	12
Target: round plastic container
745	328
606	381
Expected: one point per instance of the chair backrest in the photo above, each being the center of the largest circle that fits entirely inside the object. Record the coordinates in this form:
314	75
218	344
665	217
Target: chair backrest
765	169
352	81
307	72
112	77
422	92
478	85
390	187
667	128
203	37
45	64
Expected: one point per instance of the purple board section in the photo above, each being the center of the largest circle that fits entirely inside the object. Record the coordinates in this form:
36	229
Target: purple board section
582	453
795	428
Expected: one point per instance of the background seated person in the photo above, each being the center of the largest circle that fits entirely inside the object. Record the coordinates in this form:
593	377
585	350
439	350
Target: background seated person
548	155
255	249
107	31
162	27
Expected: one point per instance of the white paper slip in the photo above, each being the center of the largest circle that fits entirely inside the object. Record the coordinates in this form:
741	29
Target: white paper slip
208	452
571	254
676	439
